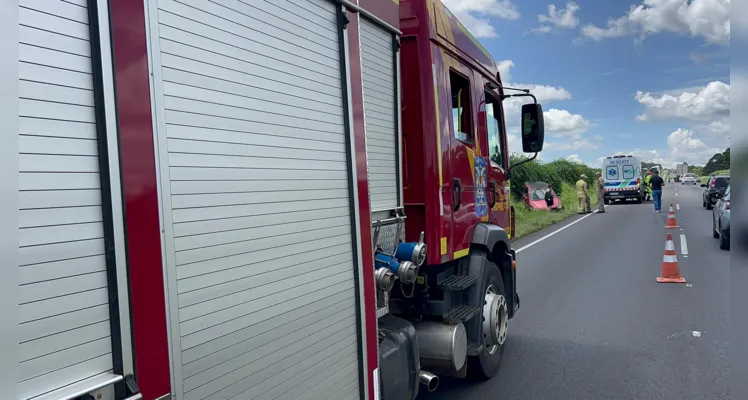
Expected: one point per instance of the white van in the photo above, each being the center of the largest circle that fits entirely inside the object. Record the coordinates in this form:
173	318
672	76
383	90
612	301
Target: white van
622	175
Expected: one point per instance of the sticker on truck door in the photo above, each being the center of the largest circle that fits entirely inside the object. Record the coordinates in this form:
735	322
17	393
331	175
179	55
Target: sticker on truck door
481	204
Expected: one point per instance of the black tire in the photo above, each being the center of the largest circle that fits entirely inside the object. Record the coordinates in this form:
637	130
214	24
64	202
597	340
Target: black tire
606	201
709	205
703	203
639	200
724	243
486	365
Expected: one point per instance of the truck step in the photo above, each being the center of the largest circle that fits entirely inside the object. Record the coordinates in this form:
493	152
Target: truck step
461	314
474	349
456	283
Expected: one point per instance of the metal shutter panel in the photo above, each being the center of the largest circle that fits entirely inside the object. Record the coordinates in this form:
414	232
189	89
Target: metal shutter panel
63	305
380	110
257	215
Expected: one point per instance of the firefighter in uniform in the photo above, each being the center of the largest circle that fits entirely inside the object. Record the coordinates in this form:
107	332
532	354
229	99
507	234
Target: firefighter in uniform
583	195
648	185
600	186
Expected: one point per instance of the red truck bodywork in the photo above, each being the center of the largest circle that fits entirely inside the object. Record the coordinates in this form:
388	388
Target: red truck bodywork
140	191
434	42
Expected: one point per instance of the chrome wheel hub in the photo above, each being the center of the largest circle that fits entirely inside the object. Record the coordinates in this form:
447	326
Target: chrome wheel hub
495	321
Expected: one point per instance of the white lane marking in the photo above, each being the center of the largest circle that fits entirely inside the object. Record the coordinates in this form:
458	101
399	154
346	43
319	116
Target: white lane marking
676	193
683	245
696	334
677	206
527	246
689	285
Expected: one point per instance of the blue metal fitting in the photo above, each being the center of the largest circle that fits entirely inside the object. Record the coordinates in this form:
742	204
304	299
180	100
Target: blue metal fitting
415	252
406	271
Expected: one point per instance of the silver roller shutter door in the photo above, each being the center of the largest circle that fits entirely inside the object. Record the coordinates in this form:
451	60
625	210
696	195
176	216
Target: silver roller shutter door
378	68
63	306
256	199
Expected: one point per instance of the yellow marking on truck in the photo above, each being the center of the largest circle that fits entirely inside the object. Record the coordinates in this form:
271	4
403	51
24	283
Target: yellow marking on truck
420	280
484	218
471	160
461	253
443	245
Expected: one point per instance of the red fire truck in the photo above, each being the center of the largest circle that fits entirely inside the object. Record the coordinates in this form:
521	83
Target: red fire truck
250	199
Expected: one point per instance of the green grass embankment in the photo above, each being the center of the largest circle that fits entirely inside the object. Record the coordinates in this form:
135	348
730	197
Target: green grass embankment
704	179
529	221
562	174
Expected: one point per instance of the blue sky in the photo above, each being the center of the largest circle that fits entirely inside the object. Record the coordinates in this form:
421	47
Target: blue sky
616	76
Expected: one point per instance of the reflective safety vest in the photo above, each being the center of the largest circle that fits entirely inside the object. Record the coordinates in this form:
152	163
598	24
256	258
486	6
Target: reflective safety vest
581	188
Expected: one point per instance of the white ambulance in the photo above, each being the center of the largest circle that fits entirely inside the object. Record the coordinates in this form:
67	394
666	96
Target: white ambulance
622	175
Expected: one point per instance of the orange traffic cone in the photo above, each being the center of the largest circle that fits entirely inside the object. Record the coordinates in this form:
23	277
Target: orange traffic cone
671	222
670	272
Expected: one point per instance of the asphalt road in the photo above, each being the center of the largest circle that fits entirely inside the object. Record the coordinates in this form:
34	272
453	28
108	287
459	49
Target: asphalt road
594	324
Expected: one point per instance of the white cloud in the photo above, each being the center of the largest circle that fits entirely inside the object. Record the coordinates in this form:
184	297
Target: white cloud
564	18
572	144
682	145
694	105
476	15
505	70
558	123
574	158
708	19
719	128
561	123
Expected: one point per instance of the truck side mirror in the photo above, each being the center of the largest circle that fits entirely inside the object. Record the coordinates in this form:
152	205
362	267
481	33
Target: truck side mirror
533	133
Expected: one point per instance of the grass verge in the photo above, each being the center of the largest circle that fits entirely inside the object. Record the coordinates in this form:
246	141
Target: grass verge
529	221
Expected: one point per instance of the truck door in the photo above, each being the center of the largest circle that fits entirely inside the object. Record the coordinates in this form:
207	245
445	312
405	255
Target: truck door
491	122
463	160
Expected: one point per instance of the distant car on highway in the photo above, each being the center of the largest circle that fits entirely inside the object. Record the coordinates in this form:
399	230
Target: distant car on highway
721	220
715	185
689	178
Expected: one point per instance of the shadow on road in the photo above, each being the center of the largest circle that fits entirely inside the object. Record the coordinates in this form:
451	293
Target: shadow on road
564	370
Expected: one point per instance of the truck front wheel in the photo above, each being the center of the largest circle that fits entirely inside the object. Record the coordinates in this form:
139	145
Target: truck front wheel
494	323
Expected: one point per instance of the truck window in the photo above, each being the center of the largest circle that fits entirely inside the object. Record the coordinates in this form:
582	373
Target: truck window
628	172
495	129
461	116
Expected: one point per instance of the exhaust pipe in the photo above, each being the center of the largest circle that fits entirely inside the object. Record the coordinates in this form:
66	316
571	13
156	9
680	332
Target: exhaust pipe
430	380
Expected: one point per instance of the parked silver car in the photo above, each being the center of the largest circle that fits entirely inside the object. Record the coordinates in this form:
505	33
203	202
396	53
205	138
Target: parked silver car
721	220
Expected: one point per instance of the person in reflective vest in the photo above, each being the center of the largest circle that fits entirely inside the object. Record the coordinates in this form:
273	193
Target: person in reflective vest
583	195
648	185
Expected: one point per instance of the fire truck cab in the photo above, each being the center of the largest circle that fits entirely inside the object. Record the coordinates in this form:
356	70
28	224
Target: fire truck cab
455	304
294	199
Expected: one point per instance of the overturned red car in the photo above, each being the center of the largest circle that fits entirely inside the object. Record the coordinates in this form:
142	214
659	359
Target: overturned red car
534	196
